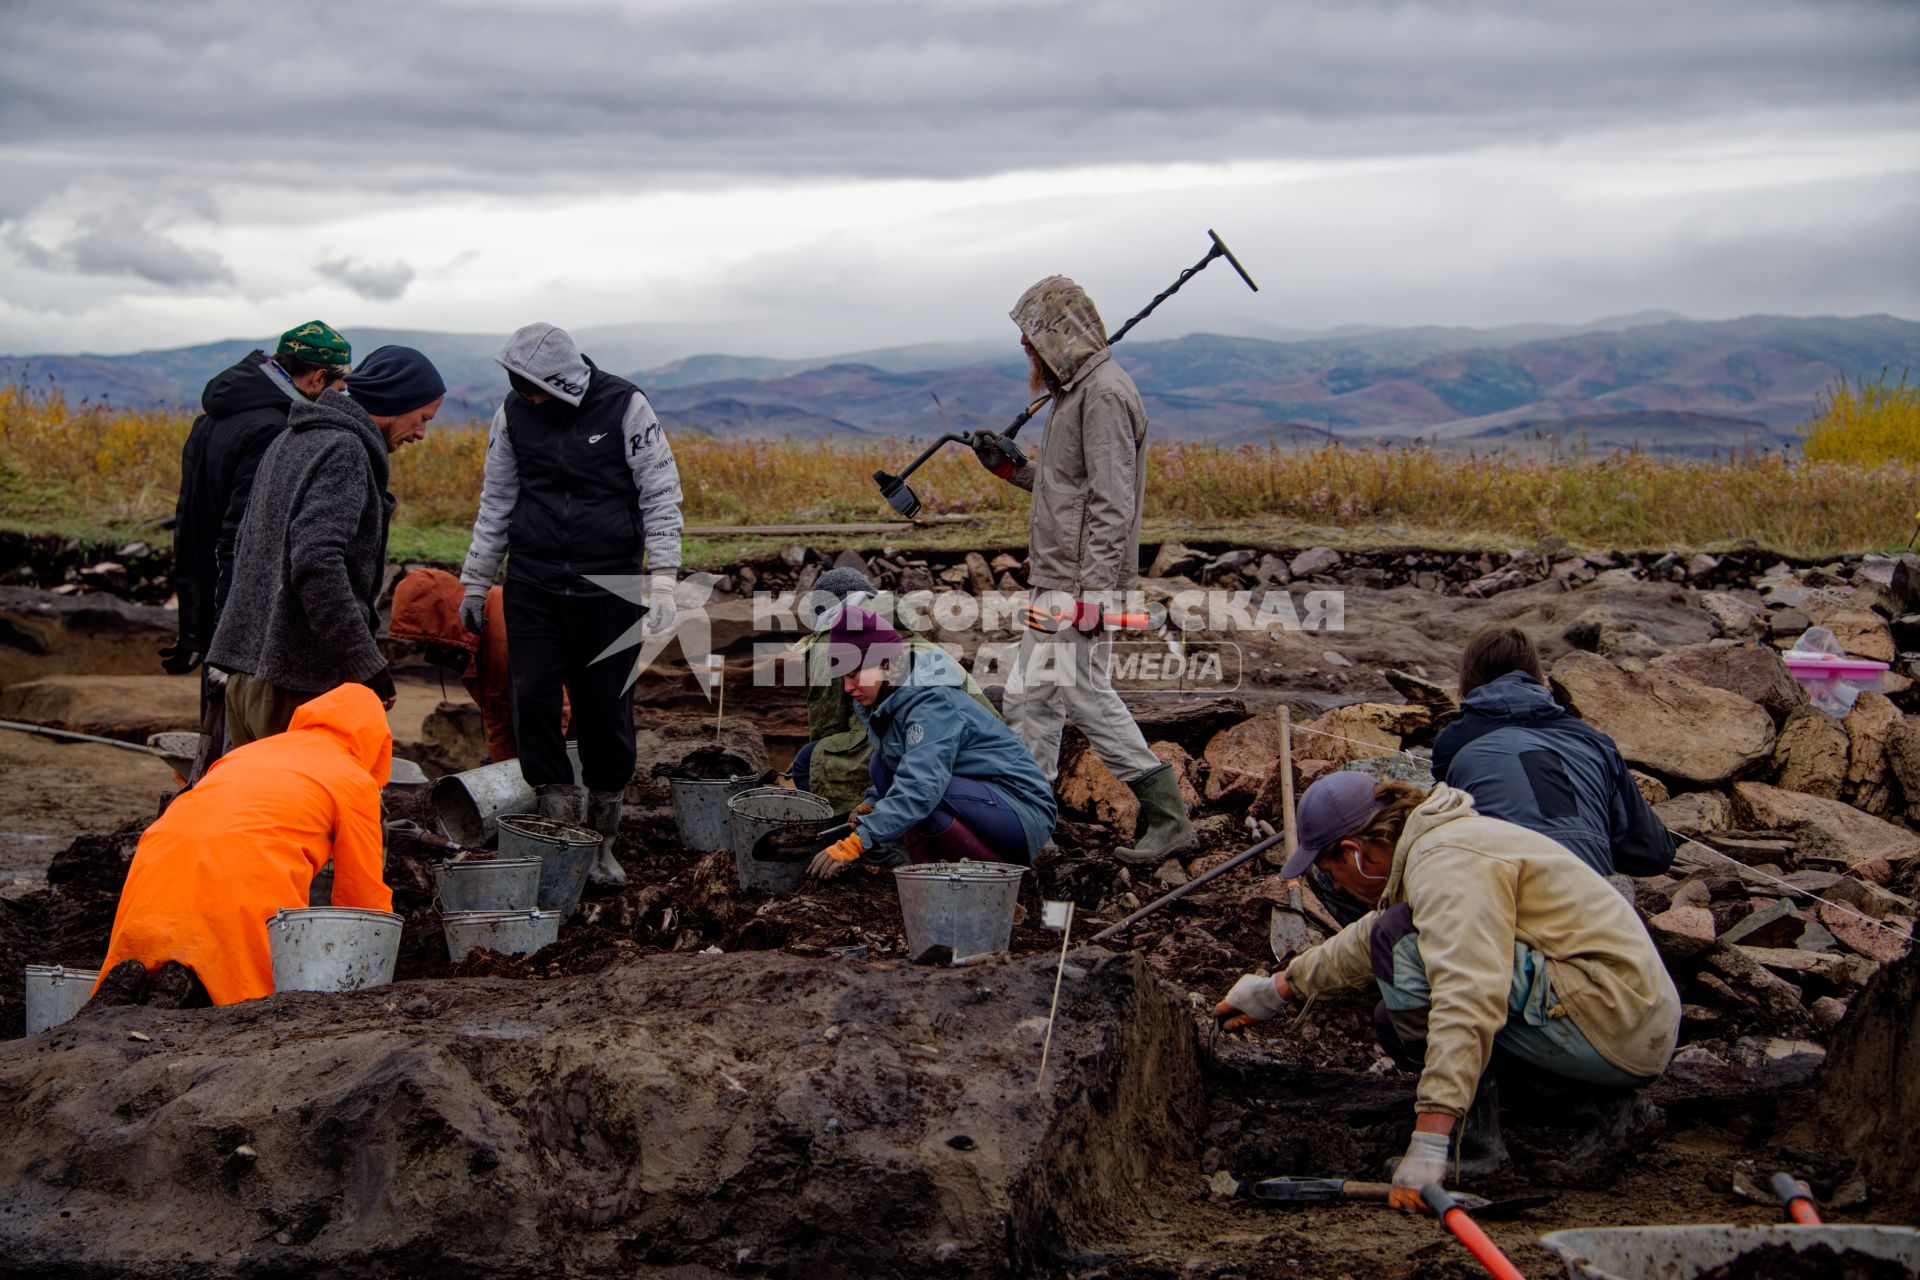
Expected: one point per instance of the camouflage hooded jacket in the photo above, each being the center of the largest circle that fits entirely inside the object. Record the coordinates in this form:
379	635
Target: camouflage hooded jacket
1089	482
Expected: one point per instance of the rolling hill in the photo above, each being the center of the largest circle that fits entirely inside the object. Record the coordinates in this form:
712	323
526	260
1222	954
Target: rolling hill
1654	381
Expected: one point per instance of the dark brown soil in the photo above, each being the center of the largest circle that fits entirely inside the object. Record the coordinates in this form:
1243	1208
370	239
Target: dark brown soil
1309	1097
708	764
1816	1262
685	1116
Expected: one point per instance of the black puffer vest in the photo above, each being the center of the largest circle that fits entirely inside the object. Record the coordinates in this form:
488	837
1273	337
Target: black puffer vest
578	511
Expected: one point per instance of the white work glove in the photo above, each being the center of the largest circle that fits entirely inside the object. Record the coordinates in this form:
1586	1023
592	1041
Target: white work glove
1425	1161
1254	998
473	610
660	605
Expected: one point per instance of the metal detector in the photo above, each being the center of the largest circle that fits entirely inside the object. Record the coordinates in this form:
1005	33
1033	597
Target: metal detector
900	495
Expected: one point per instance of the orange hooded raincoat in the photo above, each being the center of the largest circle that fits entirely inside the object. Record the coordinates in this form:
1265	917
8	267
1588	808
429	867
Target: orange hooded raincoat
247	839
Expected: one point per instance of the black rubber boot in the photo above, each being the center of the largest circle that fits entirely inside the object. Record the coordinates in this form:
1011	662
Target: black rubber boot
1165	831
603	815
176	986
125	984
1479	1150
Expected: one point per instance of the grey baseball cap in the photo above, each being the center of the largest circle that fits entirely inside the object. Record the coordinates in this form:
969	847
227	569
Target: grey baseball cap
1331	808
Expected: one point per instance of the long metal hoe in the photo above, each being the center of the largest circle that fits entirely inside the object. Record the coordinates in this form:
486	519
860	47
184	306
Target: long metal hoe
894	487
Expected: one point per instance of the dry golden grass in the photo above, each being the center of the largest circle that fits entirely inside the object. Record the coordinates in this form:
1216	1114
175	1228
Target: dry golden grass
1873	422
114	470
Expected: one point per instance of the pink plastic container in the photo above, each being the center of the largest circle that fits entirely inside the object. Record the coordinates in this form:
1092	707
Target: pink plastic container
1820	674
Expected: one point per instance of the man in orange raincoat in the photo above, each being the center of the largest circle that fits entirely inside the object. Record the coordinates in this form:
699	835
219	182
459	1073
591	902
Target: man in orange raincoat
245	842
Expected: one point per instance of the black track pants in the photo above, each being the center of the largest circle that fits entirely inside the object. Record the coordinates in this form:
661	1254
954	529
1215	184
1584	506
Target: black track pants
552	641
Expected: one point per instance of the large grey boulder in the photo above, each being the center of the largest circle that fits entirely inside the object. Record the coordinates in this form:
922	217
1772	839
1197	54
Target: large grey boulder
1665	722
1755	672
1826	830
1811	754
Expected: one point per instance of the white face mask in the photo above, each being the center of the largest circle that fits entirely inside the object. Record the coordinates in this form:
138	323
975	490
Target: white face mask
1362	870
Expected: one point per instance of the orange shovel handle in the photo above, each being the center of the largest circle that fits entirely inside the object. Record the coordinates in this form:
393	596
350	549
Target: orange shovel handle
1468	1233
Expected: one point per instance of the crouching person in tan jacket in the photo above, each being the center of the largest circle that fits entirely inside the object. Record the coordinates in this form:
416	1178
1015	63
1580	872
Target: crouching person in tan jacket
1484	937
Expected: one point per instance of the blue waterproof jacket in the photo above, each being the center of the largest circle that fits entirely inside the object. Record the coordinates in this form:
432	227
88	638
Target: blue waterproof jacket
928	731
1524	760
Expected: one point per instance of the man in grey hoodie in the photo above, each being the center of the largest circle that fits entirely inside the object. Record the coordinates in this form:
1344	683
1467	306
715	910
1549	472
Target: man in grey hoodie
1089	487
301	615
580	487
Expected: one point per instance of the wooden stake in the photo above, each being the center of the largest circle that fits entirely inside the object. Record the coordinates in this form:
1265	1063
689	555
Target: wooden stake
1059	972
1292	840
719	665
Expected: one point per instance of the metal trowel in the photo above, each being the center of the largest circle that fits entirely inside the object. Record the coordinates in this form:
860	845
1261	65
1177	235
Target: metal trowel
1292	931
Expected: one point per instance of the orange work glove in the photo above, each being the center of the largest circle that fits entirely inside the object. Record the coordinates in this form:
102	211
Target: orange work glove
836	857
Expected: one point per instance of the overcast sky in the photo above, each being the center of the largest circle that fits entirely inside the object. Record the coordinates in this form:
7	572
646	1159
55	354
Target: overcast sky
812	176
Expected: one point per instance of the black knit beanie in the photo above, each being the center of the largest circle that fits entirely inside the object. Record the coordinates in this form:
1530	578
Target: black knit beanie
395	380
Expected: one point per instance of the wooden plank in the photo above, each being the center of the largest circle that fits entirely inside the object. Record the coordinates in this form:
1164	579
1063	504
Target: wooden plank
870	527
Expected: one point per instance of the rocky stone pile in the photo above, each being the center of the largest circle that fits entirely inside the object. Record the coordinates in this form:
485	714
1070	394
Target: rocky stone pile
140	570
1799	862
1475	574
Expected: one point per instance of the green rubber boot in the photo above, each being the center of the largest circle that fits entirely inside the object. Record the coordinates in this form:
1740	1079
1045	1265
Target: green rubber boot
1165	830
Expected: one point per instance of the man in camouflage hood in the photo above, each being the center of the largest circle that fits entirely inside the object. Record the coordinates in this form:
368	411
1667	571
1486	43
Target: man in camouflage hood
1089	486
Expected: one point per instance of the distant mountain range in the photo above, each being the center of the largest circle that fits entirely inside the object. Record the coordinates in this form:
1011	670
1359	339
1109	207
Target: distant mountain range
1654	380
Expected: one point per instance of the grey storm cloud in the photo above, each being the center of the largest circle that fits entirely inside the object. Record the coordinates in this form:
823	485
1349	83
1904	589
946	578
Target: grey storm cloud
496	95
124	249
374	281
147	255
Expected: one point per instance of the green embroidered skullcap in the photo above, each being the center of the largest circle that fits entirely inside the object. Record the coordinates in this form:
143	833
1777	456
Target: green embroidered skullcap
316	343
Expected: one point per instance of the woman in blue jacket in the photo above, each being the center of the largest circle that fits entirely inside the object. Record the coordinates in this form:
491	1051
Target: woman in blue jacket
950	781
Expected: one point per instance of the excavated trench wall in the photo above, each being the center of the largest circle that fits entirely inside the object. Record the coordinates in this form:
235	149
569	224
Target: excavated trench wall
693	1115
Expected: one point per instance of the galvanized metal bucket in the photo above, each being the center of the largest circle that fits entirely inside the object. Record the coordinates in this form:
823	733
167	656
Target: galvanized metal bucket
55	993
700	810
510	933
761	811
405	777
957	911
179	748
564	852
468	805
333	948
488	884
1671	1253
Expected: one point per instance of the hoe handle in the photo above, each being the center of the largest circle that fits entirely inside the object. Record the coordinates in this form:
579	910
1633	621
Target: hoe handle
1238	859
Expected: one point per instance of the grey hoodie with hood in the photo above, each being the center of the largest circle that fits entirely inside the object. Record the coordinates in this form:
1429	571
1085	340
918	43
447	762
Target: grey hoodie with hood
1089	482
546	355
